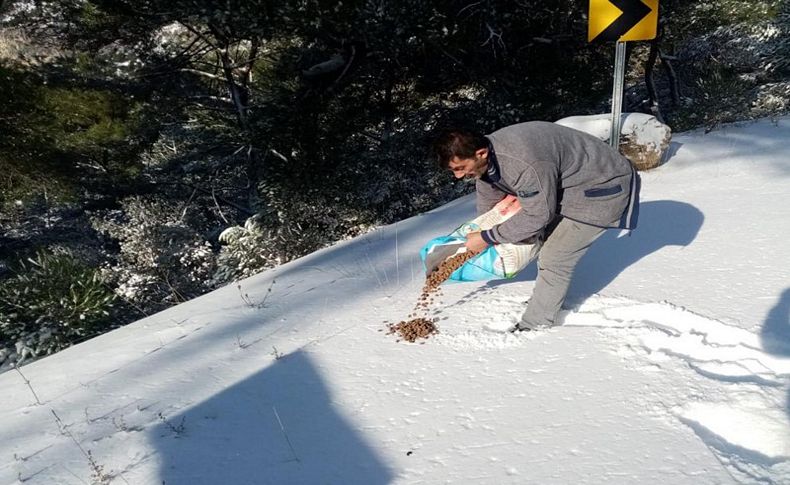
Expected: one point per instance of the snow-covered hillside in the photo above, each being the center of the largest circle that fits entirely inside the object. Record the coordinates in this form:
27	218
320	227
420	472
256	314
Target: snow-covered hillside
673	366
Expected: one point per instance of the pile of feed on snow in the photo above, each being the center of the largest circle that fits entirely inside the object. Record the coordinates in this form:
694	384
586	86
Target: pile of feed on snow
422	326
414	329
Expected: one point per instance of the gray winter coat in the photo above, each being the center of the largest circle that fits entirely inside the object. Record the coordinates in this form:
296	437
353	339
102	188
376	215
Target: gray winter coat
556	170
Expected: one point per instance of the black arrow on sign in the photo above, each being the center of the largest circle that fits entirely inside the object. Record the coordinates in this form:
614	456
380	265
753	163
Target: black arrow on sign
633	13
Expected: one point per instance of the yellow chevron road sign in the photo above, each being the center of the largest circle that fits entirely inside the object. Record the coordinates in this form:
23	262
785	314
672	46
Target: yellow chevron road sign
622	20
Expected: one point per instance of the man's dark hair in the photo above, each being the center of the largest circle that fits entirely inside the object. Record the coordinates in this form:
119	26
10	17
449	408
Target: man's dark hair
457	142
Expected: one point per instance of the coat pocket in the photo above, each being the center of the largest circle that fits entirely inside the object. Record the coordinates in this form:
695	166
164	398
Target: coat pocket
526	194
604	191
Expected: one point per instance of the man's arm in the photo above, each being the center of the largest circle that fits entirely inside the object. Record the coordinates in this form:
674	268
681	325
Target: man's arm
487	196
537	194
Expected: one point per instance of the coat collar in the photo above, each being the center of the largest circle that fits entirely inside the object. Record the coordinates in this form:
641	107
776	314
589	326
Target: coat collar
492	174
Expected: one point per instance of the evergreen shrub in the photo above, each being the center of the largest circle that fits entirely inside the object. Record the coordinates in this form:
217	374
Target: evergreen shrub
52	301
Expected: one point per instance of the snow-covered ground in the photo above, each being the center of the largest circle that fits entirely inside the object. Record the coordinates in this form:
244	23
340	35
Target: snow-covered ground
673	365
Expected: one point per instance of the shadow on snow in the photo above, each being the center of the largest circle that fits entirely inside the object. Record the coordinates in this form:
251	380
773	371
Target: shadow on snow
277	426
775	334
661	223
776	329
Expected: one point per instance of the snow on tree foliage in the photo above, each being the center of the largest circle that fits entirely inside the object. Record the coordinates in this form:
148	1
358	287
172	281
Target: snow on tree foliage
242	253
162	259
52	301
736	55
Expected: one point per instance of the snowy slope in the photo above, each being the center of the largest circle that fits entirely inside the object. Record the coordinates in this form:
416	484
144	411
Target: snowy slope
673	365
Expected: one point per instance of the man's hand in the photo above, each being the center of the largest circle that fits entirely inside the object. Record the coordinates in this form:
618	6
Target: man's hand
475	242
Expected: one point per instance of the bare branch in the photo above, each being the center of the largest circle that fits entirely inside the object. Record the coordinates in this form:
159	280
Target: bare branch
493	36
212	98
187	204
371	136
350	61
201	73
216	204
471	5
16	367
251	61
187	48
239	208
202	36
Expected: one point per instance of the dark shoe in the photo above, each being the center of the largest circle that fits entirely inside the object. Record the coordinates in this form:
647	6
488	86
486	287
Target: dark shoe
524	326
518	328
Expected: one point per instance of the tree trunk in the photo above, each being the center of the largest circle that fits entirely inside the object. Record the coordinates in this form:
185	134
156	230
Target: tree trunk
255	164
233	88
674	87
222	47
247	78
650	83
666	64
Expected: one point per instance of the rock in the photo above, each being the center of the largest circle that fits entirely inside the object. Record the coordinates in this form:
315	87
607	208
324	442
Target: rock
644	140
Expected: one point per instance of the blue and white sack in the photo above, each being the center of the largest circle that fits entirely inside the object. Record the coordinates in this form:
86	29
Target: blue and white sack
495	262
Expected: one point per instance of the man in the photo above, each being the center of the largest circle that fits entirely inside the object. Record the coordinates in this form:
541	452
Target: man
571	187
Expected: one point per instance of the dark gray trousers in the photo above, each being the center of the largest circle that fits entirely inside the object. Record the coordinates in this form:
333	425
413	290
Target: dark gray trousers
557	259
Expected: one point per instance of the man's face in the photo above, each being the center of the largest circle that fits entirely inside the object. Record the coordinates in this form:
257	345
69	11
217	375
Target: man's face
470	167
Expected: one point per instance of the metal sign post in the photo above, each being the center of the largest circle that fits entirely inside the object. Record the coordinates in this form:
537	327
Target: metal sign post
617	94
621	21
